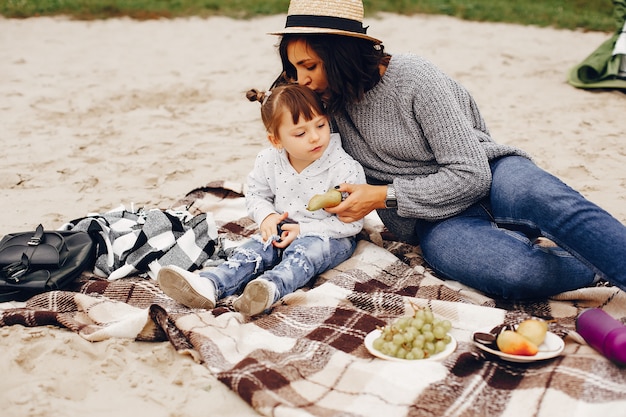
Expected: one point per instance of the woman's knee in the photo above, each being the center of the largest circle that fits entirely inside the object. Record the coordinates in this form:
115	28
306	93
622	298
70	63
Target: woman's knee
521	279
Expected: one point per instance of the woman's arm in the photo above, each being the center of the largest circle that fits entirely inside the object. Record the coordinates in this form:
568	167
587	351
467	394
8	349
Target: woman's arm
362	199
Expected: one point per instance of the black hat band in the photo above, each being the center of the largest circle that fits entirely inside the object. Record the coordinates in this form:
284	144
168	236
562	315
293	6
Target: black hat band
328	22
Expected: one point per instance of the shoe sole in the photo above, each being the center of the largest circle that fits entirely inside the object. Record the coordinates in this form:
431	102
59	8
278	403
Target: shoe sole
254	299
177	287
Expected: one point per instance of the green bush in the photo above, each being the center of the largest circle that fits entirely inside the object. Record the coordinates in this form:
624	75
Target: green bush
593	15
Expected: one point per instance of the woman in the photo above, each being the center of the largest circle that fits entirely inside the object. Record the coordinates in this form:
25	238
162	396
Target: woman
483	213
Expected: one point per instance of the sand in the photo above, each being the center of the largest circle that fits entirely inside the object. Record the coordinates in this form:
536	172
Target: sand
98	114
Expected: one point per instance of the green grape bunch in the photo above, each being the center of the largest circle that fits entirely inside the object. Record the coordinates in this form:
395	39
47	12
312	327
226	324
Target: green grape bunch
414	337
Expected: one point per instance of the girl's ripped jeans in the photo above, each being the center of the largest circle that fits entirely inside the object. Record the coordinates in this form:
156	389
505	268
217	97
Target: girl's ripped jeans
290	268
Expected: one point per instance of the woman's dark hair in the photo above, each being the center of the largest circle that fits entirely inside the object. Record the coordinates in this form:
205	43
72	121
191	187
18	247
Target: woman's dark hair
352	65
298	100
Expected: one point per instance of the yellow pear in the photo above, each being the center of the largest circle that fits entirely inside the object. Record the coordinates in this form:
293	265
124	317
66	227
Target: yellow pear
534	330
330	198
514	343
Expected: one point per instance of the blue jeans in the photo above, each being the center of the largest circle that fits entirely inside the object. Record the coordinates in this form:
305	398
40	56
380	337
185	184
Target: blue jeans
290	268
490	246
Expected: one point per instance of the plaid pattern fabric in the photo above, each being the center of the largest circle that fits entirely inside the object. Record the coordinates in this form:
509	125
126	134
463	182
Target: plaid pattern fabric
307	356
132	243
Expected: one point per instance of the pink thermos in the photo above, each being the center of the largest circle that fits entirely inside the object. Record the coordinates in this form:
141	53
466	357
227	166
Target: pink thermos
603	333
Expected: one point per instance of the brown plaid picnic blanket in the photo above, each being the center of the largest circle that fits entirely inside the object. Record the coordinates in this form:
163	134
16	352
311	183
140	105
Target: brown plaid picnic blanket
307	357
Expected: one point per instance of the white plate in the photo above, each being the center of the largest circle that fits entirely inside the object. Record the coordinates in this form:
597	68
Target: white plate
369	344
551	347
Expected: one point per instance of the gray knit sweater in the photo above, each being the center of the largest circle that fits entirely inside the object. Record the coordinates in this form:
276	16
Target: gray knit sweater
423	132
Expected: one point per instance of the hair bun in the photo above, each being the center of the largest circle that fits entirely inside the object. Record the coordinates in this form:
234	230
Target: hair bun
255	95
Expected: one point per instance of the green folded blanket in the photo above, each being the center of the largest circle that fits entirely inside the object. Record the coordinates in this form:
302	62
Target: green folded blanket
601	69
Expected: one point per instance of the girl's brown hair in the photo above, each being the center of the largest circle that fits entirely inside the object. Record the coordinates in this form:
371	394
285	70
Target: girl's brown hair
298	100
352	65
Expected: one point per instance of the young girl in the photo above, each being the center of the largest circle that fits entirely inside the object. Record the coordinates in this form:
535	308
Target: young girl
482	212
294	244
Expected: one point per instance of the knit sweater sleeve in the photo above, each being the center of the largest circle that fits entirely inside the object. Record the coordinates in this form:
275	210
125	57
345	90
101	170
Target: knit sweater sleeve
453	131
422	131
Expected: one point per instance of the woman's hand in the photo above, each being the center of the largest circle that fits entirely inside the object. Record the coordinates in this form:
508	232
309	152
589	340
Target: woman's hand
362	199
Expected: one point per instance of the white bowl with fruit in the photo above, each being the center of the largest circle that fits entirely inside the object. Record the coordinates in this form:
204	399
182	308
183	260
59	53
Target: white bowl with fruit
528	341
421	336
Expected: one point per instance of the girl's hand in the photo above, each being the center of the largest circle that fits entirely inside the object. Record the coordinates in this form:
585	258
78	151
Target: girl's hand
290	232
269	225
362	199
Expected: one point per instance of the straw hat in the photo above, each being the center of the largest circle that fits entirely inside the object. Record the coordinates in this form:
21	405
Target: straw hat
337	17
